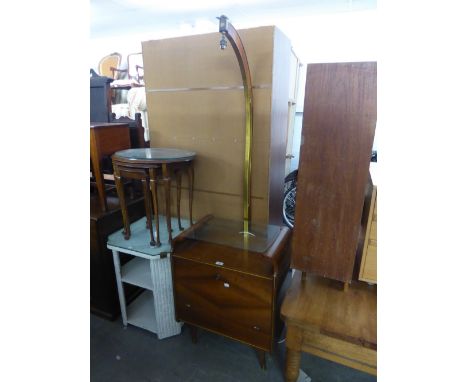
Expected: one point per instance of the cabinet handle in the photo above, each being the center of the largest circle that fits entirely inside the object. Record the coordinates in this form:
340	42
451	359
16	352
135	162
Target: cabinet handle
226	285
257	328
188	305
220	263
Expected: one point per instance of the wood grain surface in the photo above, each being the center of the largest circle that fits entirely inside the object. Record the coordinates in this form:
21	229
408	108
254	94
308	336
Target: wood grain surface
340	112
320	305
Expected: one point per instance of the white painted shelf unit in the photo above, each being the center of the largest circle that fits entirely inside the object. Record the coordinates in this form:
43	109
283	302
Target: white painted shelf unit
150	269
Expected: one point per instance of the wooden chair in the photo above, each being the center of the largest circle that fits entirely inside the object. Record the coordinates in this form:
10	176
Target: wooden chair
109	66
135	67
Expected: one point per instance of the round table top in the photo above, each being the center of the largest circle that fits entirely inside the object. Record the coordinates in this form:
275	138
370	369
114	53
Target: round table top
158	154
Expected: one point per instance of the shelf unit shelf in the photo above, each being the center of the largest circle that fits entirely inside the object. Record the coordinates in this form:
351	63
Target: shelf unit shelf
137	272
141	312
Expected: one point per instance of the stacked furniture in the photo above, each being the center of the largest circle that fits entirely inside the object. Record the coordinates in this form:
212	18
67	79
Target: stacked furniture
337	135
227	281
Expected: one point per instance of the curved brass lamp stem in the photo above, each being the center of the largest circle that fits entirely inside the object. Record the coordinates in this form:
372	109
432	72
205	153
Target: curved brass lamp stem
227	30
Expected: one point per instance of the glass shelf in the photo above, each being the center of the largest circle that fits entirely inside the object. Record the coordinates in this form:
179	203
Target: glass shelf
231	233
156	154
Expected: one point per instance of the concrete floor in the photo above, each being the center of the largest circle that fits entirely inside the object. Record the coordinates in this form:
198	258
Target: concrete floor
131	354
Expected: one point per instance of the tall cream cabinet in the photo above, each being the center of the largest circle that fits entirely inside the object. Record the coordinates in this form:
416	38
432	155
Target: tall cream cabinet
196	101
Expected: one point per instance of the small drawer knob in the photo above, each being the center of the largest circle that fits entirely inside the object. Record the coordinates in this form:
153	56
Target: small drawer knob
220	263
257	328
226	285
188	305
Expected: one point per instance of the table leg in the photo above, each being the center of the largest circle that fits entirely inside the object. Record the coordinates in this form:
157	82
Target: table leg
154	192
123	205
146	195
191	175
179	189
167	192
123	305
293	361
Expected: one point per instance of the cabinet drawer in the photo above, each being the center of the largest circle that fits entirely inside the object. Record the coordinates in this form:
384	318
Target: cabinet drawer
228	302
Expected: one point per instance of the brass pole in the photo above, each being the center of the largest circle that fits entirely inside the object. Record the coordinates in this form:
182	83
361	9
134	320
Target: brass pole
226	28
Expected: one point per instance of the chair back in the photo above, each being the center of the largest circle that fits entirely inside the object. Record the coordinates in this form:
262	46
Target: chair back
109	64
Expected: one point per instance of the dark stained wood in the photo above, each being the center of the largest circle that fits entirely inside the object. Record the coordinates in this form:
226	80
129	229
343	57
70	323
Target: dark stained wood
149	172
238	299
106	139
340	112
103	286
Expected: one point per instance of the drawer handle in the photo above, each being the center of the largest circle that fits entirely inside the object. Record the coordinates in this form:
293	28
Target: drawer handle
257	328
220	263
226	285
188	305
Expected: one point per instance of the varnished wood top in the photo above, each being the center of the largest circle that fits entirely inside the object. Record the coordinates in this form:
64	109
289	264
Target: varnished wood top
321	304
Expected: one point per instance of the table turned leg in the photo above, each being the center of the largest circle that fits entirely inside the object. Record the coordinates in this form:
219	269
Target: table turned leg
167	192
191	175
293	361
154	193
146	195
123	205
179	189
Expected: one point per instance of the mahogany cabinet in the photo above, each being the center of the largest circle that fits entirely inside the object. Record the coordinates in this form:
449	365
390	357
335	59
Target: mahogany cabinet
228	290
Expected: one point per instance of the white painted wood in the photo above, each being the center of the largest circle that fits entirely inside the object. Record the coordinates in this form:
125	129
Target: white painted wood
120	290
141	312
163	295
150	268
138	272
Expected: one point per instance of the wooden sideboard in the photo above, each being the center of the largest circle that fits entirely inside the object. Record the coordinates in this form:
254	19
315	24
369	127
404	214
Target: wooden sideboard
231	291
